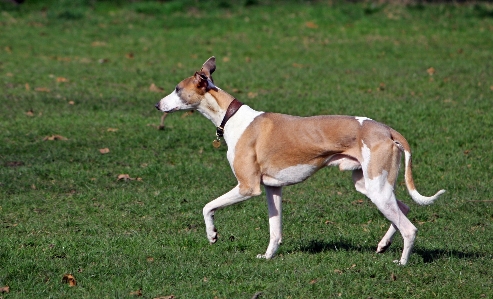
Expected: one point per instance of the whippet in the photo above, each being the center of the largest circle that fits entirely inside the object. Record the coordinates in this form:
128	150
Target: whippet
277	150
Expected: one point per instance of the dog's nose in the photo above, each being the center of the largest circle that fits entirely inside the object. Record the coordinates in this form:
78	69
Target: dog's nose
157	106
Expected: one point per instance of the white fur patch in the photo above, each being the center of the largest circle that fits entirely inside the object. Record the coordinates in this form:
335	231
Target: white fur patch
235	127
361	119
290	175
171	102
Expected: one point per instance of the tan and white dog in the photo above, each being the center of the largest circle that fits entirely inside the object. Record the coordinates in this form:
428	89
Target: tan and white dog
276	150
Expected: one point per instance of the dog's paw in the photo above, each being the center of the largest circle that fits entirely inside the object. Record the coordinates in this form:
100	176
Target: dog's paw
383	247
212	236
400	263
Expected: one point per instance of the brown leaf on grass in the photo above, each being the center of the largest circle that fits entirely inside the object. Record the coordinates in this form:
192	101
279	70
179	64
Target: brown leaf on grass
166	297
5	289
491	87
137	293
311	25
252	95
98	44
61	79
155	88
104	150
337	271
71	102
186	114
27	86
130	55
226	59
30	113
124	177
313	281
393	277
112	130
14	163
42	89
297	65
55	137
70	279
150	259
431	71
8	49
103	60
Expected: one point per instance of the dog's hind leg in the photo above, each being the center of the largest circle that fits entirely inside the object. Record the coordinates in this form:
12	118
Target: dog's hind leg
386	241
225	200
274	203
380	170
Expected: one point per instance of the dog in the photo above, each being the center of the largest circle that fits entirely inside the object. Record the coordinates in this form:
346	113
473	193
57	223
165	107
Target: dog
277	150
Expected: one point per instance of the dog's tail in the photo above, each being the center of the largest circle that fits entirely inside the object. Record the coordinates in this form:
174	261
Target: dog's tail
403	145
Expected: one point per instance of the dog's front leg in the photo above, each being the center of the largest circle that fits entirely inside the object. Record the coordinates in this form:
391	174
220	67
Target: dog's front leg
225	200
274	202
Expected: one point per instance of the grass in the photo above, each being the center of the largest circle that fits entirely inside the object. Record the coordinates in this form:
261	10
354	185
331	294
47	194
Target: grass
84	71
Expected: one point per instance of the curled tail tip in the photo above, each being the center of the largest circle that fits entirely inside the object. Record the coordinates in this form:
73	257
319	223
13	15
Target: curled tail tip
425	200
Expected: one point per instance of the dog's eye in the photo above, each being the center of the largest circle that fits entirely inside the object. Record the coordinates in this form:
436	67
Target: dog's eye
177	89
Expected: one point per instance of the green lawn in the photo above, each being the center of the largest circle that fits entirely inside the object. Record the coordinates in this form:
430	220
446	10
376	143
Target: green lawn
83	72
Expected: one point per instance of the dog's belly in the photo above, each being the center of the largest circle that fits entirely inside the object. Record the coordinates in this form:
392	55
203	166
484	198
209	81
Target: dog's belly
289	176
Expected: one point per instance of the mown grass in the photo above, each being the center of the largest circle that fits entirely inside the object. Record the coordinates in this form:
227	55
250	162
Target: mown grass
84	71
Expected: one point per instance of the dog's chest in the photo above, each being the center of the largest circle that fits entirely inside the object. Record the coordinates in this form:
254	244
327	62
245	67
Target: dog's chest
235	127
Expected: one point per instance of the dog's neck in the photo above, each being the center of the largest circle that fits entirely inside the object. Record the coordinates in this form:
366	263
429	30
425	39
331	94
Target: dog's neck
214	105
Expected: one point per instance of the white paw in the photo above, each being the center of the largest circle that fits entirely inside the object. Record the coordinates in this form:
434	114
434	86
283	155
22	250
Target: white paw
212	236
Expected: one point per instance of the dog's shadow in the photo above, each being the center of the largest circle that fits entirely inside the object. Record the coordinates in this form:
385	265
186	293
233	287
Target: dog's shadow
428	255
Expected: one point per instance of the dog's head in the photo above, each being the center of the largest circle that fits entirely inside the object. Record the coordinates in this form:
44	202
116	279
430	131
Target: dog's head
189	92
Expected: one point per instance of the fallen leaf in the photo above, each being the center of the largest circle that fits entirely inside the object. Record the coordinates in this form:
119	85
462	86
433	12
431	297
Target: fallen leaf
71	102
381	87
27	86
30	113
311	25
150	259
188	113
155	88
137	293
104	150
393	277
226	59
252	95
358	202
337	271
98	44
70	279
33	187
61	79
124	177
14	164
166	297
112	130
103	60
8	49
431	71
9	74
297	65
313	281
329	222
491	87
55	137
130	55
5	289
42	89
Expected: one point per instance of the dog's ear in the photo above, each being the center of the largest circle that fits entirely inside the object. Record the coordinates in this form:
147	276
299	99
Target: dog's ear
209	67
203	82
